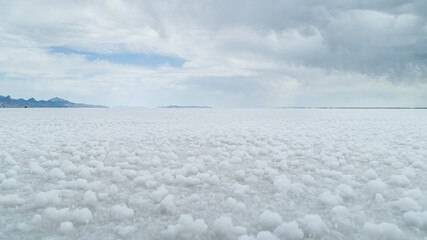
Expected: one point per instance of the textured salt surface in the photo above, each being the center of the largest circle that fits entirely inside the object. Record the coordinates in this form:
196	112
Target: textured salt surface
213	174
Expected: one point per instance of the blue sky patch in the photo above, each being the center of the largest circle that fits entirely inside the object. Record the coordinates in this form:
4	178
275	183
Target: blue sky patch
126	58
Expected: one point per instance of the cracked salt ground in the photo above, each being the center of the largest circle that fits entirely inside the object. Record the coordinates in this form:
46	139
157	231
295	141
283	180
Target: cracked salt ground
213	174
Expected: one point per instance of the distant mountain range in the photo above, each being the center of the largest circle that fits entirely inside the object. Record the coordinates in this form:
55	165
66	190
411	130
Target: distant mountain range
354	107
177	106
7	102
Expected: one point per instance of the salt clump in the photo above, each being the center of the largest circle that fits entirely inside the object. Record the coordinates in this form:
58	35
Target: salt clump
345	191
330	199
386	231
8	183
81	215
47	198
120	212
125	231
314	225
159	194
66	227
289	231
55	214
36	169
399	180
11	200
186	228
167	204
89	198
376	186
266	235
416	219
370	175
223	229
56	173
407	204
282	183
269	220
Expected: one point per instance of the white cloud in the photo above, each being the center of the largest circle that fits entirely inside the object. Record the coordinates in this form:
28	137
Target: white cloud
238	54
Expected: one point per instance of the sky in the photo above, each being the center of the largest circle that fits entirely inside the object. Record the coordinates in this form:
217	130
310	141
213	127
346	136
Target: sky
227	54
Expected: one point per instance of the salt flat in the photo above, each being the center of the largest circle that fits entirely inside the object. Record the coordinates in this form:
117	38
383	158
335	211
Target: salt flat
213	174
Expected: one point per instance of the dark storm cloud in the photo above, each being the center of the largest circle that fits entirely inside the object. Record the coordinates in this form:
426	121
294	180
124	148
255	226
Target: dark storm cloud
371	37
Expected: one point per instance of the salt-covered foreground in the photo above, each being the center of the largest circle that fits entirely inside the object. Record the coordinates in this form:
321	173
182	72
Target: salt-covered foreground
213	174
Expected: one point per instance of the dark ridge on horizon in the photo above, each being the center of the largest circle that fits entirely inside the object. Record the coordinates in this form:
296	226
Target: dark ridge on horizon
8	102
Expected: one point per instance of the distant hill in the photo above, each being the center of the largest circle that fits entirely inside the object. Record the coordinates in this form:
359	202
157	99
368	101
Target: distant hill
177	106
7	102
355	107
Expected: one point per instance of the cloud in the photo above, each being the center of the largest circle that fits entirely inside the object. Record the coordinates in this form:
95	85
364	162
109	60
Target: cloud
237	54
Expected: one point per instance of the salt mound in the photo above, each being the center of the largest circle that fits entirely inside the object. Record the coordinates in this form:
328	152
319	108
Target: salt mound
269	220
345	191
399	180
11	200
89	198
66	227
167	204
55	214
314	225
266	235
407	204
376	186
330	199
387	231
370	175
82	215
159	194
289	231
121	212
223	229
186	228
416	219
47	198
8	183
56	173
124	232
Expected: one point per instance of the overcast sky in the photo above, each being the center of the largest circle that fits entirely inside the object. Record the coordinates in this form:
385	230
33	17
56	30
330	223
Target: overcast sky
218	53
